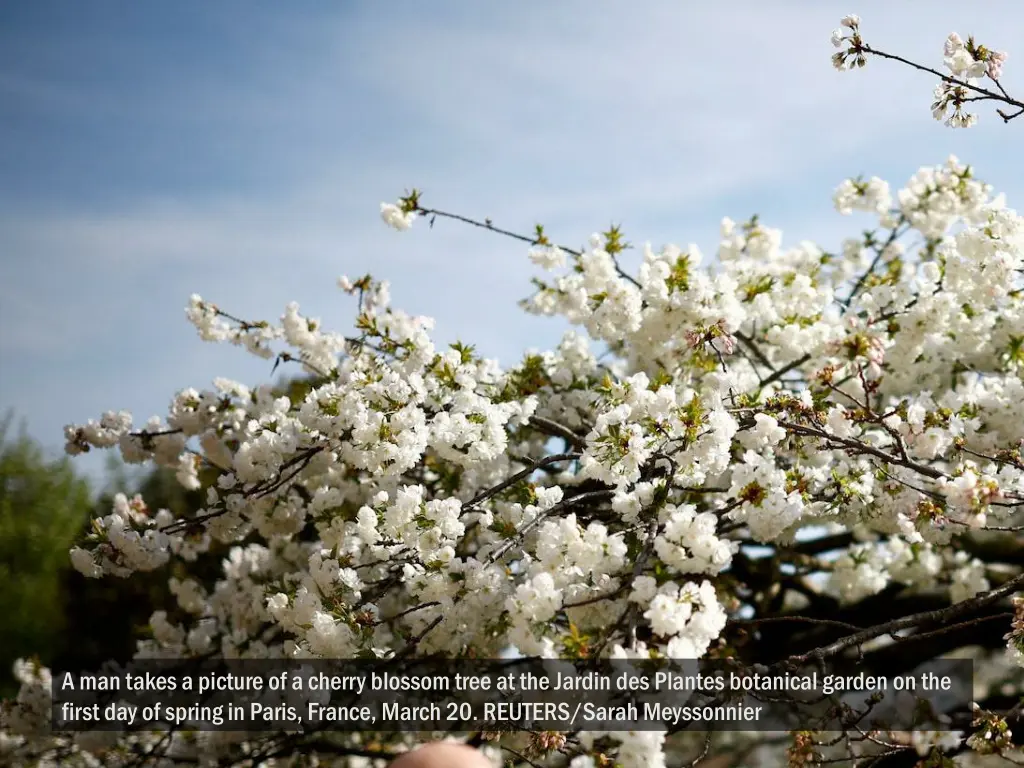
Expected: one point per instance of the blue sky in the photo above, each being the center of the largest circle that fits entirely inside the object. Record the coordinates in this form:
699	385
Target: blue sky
240	150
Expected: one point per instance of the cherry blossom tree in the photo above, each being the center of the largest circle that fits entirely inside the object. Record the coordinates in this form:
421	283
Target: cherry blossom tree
779	455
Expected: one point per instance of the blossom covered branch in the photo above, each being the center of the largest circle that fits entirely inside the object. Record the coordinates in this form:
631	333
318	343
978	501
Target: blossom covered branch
967	63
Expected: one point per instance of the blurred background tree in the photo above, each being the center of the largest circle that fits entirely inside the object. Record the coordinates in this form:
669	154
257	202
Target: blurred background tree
43	506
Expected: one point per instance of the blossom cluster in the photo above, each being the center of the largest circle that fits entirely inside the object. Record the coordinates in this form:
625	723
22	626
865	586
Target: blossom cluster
967	63
607	497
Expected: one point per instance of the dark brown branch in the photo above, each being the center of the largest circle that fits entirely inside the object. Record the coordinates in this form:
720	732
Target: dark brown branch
907	622
1003	97
495	490
564	504
554	429
861	447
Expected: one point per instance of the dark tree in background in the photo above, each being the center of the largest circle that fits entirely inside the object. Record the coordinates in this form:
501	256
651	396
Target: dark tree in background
43	505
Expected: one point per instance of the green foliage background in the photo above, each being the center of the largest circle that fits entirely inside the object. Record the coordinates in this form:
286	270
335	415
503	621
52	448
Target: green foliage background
43	506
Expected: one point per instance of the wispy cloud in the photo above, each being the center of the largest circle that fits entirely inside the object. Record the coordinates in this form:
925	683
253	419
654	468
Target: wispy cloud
240	151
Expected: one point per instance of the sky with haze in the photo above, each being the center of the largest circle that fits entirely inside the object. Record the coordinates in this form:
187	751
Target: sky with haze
241	150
